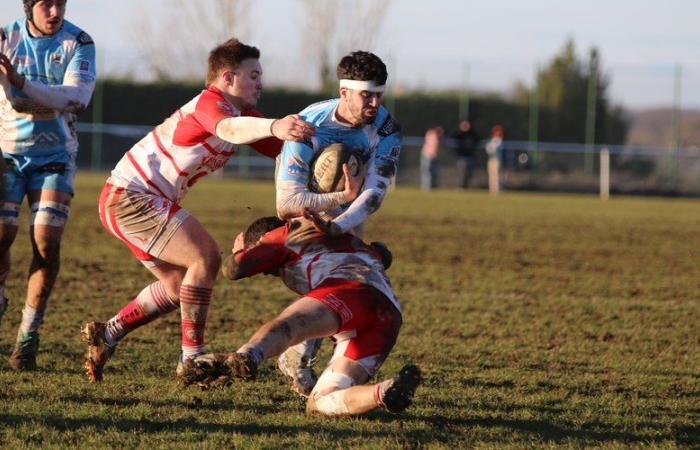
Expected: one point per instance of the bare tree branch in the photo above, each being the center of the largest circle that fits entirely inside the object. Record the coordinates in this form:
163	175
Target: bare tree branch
178	41
336	27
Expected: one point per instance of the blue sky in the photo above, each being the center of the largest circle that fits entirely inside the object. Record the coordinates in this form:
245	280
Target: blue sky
427	43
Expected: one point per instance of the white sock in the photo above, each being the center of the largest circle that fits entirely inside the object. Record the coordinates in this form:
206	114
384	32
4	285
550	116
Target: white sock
254	352
31	319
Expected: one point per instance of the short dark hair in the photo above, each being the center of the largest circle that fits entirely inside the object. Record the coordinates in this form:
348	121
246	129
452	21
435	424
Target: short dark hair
362	66
259	227
229	55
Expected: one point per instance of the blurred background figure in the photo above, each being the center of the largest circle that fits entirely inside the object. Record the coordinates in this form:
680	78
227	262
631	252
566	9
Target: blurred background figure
494	148
429	170
466	143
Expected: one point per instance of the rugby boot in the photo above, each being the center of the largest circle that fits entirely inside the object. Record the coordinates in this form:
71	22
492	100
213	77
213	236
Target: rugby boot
23	357
216	369
298	368
98	350
241	365
399	395
187	367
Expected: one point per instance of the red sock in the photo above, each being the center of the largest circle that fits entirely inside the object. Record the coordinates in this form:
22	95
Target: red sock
194	307
152	302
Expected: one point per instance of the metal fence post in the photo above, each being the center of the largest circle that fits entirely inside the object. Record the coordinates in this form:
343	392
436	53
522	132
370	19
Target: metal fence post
604	173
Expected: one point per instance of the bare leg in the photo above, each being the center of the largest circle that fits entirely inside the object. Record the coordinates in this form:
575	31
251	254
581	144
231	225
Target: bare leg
193	248
304	319
8	232
46	246
339	391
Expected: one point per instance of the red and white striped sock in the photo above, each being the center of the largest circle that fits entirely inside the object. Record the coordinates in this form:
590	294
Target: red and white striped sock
380	390
194	307
152	302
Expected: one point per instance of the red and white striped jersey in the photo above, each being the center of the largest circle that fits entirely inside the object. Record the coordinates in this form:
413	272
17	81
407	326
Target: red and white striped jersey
304	258
169	160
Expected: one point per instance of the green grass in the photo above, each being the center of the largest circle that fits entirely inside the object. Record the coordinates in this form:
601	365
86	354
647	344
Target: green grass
539	321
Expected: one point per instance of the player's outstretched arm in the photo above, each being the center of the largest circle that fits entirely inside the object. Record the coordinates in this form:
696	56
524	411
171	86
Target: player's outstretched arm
247	129
72	96
292	128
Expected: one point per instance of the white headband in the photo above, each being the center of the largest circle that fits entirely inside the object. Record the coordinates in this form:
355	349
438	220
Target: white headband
358	85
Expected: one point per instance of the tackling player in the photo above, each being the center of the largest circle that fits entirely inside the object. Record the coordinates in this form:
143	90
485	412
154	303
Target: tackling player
140	203
346	296
357	119
47	75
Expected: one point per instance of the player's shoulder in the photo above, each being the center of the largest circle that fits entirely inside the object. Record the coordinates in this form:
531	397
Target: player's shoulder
318	112
213	98
14	28
386	123
71	31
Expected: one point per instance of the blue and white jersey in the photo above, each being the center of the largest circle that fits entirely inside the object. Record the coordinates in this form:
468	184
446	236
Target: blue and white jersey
60	77
378	144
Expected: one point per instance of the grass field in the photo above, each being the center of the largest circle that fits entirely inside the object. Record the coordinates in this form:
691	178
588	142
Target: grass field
538	320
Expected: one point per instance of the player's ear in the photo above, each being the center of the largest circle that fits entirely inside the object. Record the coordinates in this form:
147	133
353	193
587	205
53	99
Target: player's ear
344	93
228	76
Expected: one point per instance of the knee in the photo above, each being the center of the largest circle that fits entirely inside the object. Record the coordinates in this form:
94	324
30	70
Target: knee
328	396
208	262
172	288
48	248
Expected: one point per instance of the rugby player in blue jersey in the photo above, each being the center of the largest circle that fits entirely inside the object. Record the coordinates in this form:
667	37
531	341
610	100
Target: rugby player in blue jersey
47	75
358	120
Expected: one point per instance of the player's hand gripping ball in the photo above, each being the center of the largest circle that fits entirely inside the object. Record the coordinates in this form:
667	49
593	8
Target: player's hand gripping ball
327	168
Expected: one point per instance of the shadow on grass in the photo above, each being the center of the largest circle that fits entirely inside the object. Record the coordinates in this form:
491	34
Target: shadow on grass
336	429
589	433
195	402
443	429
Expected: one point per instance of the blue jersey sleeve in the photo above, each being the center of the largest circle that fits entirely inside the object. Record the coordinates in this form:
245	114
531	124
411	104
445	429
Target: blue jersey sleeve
381	173
82	68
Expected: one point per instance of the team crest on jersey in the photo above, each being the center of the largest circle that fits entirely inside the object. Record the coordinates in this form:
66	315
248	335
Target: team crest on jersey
84	66
389	127
57	59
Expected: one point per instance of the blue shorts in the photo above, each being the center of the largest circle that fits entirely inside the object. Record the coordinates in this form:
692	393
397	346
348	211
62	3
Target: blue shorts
26	173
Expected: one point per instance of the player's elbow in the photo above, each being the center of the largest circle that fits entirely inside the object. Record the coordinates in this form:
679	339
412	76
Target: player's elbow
229	268
374	201
285	213
289	207
74	107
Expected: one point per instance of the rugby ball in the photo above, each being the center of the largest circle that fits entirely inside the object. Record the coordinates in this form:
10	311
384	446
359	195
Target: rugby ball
327	168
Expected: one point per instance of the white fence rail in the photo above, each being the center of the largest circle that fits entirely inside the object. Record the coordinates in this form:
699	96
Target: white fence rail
525	165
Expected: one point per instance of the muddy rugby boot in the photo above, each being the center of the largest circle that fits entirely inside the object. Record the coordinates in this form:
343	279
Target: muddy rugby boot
97	352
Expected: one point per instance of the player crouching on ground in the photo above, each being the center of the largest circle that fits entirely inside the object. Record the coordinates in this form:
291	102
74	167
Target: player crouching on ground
346	296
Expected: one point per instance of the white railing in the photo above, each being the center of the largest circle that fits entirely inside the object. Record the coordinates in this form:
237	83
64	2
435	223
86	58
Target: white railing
532	150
